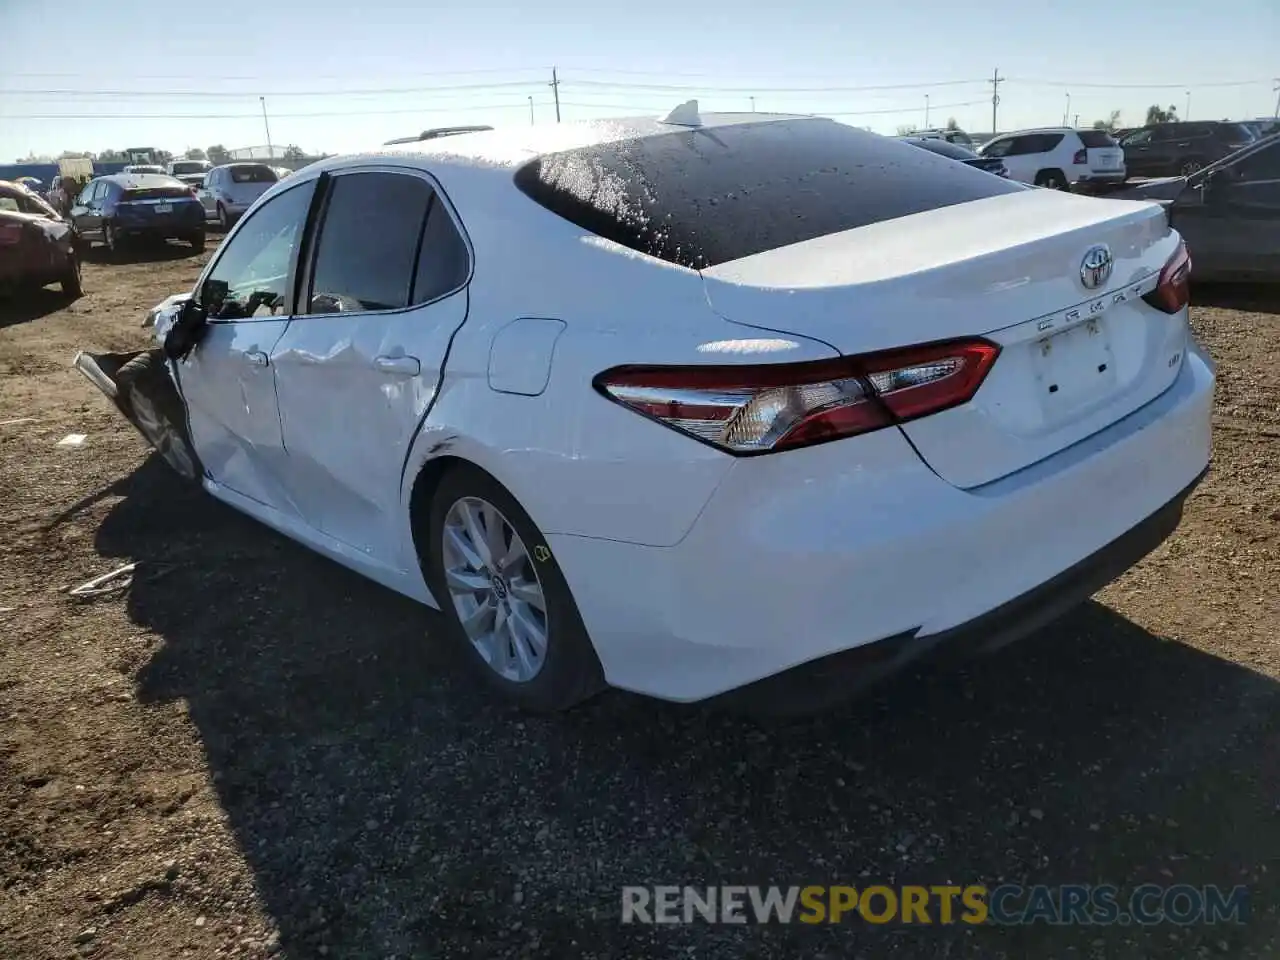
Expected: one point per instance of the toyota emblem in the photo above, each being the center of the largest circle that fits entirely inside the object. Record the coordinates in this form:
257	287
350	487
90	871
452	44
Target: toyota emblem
1095	268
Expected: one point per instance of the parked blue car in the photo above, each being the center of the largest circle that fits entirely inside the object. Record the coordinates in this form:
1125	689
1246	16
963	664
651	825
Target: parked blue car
123	207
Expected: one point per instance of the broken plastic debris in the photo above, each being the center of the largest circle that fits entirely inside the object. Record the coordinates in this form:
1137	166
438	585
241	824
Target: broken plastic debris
71	440
117	579
5	423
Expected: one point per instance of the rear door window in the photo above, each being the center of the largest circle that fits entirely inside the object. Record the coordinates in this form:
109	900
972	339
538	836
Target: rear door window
367	253
701	197
997	148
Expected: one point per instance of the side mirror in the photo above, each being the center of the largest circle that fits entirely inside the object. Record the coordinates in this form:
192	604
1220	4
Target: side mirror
187	330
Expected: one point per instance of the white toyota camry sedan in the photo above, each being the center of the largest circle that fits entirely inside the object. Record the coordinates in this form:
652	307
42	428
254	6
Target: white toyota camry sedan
692	405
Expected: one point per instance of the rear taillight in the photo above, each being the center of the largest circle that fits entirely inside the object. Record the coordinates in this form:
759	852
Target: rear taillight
1082	156
762	408
1173	292
10	233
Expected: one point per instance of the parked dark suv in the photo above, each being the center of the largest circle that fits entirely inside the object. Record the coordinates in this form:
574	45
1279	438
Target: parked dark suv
1180	149
126	206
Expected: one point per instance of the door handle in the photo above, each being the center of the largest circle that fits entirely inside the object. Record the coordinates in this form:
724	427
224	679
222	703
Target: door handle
256	358
402	366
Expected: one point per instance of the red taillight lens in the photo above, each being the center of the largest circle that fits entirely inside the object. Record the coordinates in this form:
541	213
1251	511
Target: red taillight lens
1082	156
10	233
1173	292
769	407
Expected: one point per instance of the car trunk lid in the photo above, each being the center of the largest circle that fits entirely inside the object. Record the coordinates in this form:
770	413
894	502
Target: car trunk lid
1009	268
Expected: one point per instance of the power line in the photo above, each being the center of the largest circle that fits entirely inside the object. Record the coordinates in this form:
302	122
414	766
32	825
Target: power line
383	91
258	76
762	89
1137	86
254	116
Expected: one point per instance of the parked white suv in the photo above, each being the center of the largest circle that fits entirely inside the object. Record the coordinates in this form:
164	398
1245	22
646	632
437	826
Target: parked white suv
1058	157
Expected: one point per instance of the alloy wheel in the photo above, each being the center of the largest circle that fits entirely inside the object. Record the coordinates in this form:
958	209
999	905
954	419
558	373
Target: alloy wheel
495	589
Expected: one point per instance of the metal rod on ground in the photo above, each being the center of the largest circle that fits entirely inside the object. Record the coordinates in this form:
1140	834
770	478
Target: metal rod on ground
270	152
555	89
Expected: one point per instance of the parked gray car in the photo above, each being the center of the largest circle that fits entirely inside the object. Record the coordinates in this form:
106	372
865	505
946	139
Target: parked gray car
231	189
1228	213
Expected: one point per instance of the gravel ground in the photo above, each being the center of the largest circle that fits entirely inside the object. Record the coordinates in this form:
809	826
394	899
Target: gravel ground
253	752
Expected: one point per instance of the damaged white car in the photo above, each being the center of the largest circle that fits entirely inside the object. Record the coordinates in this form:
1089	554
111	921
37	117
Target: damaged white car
688	405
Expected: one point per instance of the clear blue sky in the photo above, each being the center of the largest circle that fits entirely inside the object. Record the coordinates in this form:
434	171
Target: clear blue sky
191	74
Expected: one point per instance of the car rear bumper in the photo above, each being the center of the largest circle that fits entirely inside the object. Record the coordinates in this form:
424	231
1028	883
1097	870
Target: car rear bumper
857	545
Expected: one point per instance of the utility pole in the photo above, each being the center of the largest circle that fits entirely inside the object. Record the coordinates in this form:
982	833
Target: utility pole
1067	112
996	80
1187	115
270	152
926	111
531	111
1276	116
555	89
753	104
1077	123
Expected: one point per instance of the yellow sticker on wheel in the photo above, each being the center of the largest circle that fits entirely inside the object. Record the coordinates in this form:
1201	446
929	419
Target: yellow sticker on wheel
541	553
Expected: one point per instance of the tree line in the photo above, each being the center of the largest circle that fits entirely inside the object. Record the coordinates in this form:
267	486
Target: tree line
216	154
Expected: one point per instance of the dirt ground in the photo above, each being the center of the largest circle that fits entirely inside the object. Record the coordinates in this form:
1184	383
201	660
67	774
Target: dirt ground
253	752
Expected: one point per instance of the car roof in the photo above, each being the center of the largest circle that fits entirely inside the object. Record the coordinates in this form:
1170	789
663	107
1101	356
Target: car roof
504	149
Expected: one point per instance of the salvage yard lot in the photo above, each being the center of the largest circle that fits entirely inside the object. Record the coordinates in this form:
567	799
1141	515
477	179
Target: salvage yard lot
253	752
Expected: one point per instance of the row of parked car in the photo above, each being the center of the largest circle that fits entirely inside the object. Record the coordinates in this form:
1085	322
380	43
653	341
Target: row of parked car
42	245
1063	157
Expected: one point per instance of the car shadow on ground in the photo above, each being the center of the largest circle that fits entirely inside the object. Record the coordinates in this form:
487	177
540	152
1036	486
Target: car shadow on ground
1249	297
32	305
388	806
155	251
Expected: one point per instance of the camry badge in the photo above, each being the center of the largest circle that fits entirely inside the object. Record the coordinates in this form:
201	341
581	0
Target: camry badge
1095	268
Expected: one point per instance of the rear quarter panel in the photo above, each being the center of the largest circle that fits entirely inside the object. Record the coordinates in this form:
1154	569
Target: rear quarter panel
579	463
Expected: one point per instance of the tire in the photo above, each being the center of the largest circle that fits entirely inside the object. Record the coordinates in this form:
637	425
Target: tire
569	671
111	240
224	220
72	286
1052	180
197	242
1188	167
148	392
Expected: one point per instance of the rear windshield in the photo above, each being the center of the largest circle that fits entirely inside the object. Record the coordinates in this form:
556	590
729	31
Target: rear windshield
158	193
191	166
703	197
261	174
1096	138
944	148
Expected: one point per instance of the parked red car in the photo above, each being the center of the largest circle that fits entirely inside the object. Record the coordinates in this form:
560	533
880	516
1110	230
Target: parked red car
36	250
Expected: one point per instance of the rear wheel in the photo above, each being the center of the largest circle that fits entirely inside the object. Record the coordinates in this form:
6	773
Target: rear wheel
72	286
504	596
145	387
1053	180
111	239
224	220
197	242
